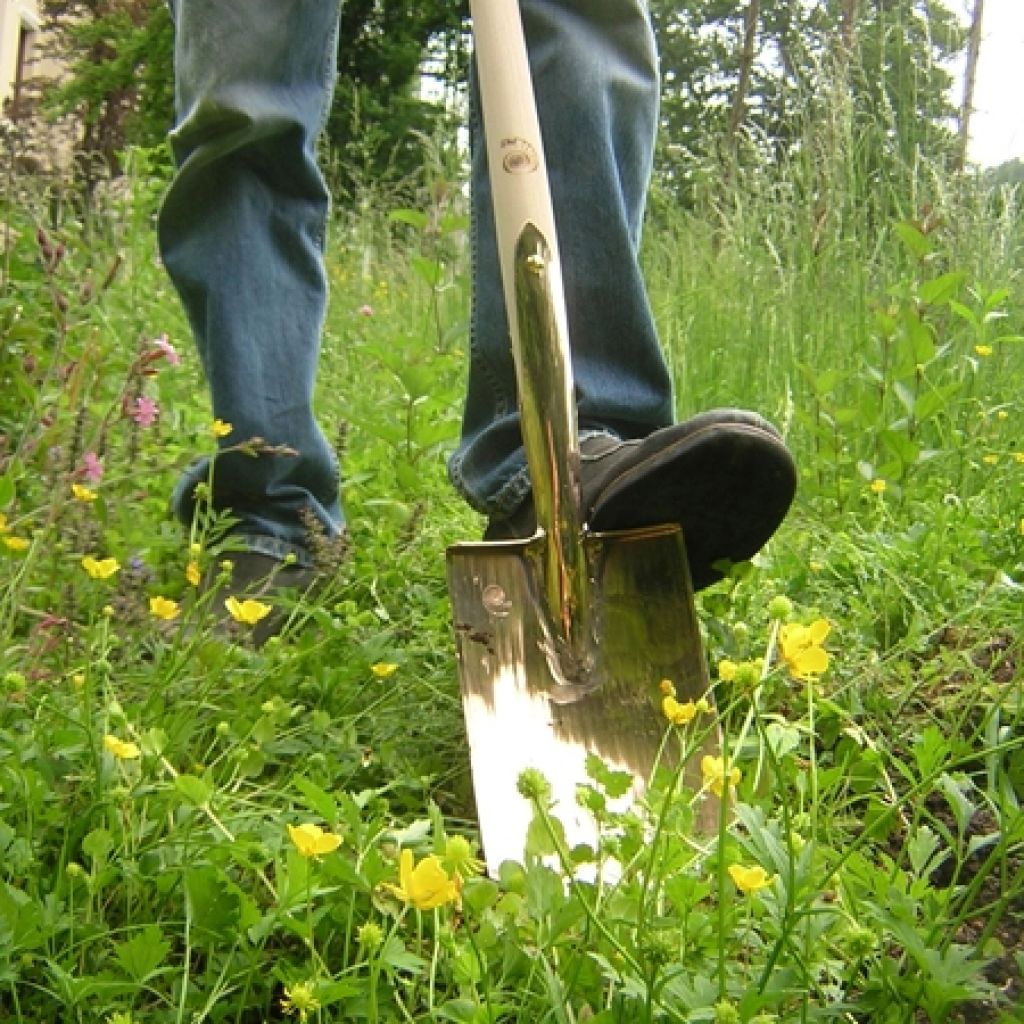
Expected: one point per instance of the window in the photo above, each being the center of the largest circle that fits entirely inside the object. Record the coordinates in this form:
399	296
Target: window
26	41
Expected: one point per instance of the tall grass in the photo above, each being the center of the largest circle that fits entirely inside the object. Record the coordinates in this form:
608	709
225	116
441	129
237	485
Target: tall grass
149	769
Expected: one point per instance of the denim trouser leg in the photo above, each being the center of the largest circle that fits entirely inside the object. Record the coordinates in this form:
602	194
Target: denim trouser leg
242	227
596	79
241	233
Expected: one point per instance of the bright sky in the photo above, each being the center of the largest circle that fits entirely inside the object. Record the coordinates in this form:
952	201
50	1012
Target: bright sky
997	124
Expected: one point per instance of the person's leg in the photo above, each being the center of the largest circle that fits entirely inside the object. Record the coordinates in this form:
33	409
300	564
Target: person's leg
595	73
241	233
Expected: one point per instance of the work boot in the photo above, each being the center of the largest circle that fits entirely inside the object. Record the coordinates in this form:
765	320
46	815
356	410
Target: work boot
725	477
262	578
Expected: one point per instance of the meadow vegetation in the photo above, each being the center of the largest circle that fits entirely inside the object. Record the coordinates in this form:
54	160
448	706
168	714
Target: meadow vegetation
193	830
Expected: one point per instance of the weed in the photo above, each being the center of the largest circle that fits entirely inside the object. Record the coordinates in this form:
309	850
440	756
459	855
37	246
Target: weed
191	829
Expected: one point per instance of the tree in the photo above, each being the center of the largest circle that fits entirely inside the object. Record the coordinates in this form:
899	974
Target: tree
970	76
739	101
378	120
784	76
120	85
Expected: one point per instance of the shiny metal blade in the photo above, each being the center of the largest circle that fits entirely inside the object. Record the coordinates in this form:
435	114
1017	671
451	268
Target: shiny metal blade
523	710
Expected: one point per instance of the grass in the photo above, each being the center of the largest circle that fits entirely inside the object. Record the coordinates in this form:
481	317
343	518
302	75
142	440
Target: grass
149	771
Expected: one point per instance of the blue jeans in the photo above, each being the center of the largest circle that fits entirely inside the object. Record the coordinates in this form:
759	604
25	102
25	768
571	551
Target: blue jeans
242	232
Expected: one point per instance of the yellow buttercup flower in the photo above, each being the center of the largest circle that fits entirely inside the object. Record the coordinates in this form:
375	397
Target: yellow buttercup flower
425	885
220	429
248	612
727	670
801	648
990	460
678	713
878	486
667	688
383	669
983	350
82	493
749	880
15	543
164	608
192	573
123	750
100	568
716	777
312	841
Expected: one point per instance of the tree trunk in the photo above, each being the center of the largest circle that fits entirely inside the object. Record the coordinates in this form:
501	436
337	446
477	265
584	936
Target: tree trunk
739	100
970	76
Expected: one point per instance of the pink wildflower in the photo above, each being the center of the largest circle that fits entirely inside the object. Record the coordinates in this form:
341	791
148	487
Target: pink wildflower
366	310
169	352
92	468
144	411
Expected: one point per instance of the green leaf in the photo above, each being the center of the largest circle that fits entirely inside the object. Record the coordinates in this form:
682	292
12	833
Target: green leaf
431	271
214	905
97	846
412	834
154	742
316	799
940	290
6	489
195	790
959	803
924	852
414	218
930	749
20	921
783	739
964	312
886	323
419	381
995	298
934	401
462	1011
614	783
919	334
539	840
394	954
907	398
143	953
480	894
914	239
903	447
452	222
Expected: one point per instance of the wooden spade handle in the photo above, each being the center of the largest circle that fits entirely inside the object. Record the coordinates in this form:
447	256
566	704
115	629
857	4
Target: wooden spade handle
534	297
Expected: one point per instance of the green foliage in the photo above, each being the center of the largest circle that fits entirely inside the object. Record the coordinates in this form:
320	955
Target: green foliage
120	85
876	100
378	122
150	768
121	82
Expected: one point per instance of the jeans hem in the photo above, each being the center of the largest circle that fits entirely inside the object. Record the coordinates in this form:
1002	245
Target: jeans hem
274	547
507	499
